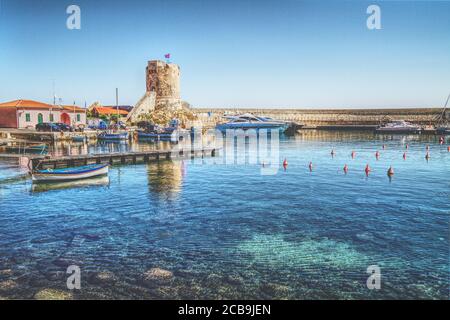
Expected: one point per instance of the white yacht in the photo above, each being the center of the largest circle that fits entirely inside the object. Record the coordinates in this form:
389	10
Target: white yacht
399	126
248	121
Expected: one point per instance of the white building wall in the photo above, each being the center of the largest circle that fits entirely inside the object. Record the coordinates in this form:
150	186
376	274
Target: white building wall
33	117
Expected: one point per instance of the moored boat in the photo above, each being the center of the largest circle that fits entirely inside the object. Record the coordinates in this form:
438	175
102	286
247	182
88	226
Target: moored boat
248	121
113	136
72	173
399	126
443	130
172	133
79	138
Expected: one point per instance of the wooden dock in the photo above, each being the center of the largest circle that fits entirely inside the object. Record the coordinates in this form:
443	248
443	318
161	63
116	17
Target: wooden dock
45	162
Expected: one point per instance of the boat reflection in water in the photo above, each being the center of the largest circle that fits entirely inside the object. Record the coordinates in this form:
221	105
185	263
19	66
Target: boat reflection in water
102	181
165	178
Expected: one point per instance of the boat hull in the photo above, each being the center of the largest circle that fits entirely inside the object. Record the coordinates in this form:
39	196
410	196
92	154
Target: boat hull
398	130
254	126
112	136
70	174
173	137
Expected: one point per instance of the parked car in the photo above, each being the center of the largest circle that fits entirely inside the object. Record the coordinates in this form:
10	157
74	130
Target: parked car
47	127
63	126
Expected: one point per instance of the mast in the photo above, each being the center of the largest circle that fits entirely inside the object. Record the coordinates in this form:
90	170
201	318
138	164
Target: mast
117	104
441	117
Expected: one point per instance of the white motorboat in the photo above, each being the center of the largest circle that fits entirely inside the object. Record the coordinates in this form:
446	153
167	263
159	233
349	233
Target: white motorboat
399	126
248	121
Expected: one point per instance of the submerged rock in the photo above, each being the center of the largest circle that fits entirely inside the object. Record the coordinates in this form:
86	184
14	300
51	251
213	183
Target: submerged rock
157	276
53	294
64	263
102	277
8	285
275	290
6	272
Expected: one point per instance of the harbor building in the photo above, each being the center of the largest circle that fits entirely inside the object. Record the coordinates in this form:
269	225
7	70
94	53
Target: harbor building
26	114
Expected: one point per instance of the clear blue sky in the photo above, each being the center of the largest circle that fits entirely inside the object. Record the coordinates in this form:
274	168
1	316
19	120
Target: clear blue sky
286	53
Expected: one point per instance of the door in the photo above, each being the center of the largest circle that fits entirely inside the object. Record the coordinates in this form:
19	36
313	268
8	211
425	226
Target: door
40	118
65	118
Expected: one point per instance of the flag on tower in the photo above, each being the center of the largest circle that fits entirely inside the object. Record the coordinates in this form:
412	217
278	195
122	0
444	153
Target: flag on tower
167	56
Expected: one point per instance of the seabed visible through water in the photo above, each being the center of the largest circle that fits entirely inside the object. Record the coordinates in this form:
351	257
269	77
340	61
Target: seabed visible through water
211	228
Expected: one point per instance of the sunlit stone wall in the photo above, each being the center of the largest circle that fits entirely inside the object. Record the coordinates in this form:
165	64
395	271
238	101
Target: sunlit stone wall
315	117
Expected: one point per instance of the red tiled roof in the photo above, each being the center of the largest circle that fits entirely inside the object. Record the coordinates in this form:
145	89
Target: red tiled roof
109	111
28	104
71	108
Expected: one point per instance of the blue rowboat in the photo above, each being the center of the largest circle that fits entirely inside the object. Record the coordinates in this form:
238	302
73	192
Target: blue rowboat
113	136
68	174
172	136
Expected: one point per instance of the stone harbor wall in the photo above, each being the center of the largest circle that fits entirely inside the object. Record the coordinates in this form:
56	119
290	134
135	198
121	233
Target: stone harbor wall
326	117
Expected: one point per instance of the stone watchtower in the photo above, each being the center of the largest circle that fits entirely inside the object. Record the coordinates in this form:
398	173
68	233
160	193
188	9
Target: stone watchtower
163	79
162	90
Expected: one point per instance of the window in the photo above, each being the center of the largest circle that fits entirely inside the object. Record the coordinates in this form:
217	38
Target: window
27	117
78	117
51	117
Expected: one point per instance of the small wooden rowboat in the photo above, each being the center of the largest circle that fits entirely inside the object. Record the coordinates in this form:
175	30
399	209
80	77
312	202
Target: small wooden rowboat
68	174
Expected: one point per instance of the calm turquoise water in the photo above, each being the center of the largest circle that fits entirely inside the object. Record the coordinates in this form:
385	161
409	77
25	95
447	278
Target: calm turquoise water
226	231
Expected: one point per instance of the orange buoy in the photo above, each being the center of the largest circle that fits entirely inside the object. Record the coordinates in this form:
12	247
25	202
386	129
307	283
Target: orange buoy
353	154
285	164
345	168
404	155
448	148
367	169
390	171
310	166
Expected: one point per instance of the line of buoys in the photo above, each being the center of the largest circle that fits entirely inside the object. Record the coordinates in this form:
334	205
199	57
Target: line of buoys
367	170
285	164
390	171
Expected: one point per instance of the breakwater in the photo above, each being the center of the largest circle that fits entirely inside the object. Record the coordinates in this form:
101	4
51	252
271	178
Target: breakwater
327	117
